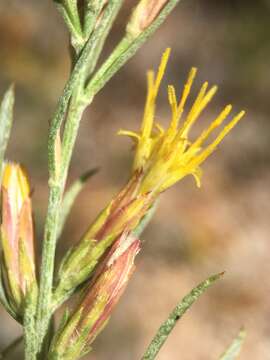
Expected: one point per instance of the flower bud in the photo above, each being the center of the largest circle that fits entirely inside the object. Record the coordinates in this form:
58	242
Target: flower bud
143	15
17	236
121	216
163	156
99	299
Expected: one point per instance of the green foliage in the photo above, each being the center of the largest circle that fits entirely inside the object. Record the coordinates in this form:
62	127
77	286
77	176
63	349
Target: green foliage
89	23
177	313
71	196
6	120
233	351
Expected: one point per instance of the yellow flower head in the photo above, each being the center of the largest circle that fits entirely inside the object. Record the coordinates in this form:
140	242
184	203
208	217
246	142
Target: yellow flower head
167	155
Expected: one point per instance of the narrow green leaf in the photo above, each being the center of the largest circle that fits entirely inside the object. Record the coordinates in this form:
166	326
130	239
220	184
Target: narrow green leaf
29	325
127	47
6	119
92	9
233	351
145	220
70	14
103	17
71	196
87	54
73	12
168	325
4	301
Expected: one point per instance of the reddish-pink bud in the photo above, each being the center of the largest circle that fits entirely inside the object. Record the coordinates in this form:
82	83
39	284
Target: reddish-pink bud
99	299
17	235
143	15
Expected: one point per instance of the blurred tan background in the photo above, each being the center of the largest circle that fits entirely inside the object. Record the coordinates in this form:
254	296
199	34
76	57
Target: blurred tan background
196	232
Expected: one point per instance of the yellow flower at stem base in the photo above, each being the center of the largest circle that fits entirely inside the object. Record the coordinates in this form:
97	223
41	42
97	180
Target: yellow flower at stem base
165	156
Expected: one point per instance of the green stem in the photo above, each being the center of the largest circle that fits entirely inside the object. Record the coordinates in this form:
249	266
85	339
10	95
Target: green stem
108	16
126	49
47	266
53	216
70	197
87	54
69	11
92	10
73	13
58	174
71	106
68	21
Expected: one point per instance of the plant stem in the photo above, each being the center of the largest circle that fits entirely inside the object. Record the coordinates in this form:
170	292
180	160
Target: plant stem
52	225
70	102
70	197
70	107
126	48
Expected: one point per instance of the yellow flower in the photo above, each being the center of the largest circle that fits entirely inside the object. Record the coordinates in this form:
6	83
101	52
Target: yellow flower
167	155
162	157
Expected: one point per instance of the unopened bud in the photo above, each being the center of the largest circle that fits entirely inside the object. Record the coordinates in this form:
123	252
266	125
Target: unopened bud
121	216
98	302
143	15
17	236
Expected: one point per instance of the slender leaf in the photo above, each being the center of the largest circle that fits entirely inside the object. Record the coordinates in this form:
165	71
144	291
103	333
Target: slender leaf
4	301
233	351
6	119
127	47
88	52
71	196
145	220
168	325
92	9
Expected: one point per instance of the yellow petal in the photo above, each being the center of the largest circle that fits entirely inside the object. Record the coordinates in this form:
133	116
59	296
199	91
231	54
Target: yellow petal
210	148
191	117
162	68
217	122
187	88
130	134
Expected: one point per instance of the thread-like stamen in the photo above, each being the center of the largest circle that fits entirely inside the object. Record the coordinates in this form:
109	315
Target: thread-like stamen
193	111
131	134
187	89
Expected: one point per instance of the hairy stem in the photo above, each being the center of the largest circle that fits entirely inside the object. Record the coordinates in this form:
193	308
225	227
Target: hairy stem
71	103
53	218
75	98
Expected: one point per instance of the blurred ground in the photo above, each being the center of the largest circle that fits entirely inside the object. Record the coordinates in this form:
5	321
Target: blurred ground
223	226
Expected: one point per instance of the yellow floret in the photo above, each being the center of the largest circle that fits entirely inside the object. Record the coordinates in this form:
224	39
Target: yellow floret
166	155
